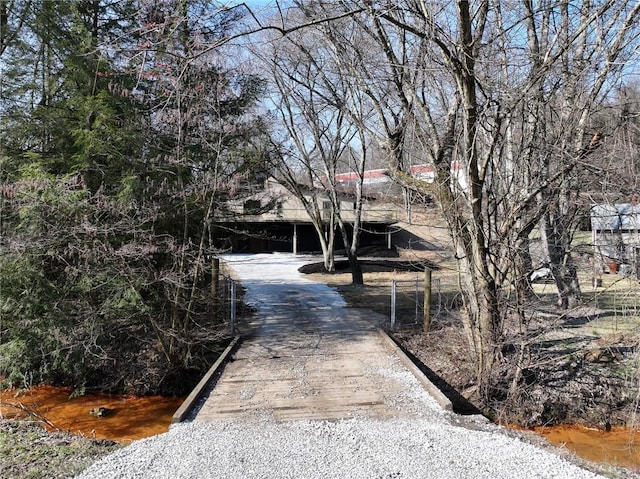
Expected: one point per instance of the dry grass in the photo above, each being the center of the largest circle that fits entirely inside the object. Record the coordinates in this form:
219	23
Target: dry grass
375	294
613	307
28	451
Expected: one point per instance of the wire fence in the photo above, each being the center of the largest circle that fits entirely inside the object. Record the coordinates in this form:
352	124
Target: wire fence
407	299
610	306
226	294
615	302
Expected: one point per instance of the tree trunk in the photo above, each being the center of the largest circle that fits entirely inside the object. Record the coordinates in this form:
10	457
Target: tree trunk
354	263
556	241
356	268
326	239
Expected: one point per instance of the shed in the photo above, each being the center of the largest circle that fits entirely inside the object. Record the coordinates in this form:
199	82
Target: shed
616	236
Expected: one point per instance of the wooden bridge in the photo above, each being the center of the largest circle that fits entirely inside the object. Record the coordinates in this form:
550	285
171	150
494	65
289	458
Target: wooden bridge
306	356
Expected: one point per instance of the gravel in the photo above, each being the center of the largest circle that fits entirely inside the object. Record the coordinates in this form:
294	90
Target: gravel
353	448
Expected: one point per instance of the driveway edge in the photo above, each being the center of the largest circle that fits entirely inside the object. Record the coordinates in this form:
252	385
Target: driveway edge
431	388
187	405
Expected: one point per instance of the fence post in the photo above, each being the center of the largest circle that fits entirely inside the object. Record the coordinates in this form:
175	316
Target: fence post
393	305
232	297
427	300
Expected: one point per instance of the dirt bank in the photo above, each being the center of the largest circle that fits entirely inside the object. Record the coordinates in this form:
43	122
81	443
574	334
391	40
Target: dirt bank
560	385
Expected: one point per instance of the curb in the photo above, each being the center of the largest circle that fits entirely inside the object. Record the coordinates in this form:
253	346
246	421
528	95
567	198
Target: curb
431	388
188	404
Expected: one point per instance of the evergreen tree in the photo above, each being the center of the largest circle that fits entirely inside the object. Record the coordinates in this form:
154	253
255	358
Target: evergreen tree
119	135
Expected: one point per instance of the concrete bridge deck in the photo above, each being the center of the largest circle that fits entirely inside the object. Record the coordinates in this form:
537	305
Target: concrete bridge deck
307	356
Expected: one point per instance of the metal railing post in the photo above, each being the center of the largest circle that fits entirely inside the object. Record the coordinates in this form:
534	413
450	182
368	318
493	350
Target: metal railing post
215	278
232	295
393	305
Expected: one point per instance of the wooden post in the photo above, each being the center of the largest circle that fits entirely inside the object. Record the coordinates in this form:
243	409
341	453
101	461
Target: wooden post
597	279
215	276
427	300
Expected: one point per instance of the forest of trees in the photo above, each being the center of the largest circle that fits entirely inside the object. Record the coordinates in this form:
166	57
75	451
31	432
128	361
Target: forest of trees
126	124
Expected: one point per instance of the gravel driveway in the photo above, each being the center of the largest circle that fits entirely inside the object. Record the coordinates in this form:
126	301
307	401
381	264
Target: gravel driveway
431	443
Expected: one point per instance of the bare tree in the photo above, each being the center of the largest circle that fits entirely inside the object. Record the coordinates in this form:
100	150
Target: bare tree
315	105
501	99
